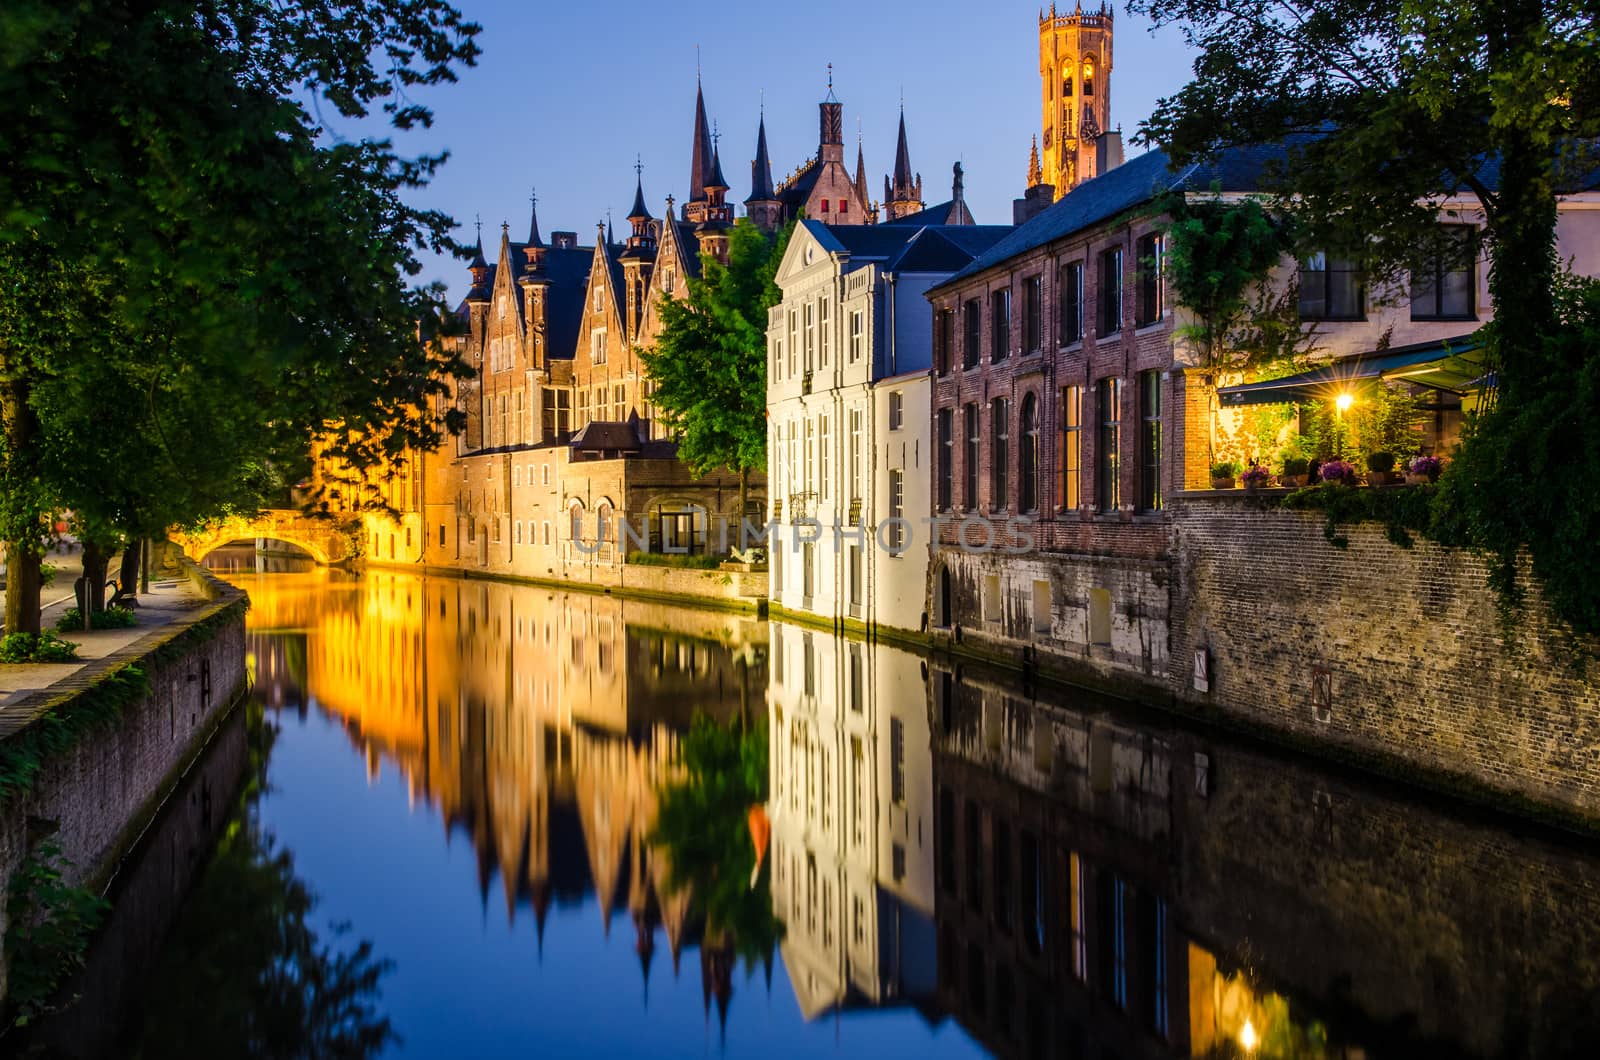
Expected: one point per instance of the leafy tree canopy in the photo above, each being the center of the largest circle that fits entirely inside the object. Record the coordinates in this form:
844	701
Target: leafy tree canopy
1390	105
196	281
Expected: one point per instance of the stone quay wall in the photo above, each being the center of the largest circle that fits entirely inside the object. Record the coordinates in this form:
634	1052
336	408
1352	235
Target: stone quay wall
1378	654
94	800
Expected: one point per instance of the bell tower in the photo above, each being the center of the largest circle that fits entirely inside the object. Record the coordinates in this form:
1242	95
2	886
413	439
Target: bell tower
1075	93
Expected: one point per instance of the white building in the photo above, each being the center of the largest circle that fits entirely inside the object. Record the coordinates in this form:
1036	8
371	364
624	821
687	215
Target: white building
851	805
850	351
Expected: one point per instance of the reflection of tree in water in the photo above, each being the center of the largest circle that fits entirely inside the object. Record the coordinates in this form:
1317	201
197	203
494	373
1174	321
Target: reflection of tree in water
704	823
245	973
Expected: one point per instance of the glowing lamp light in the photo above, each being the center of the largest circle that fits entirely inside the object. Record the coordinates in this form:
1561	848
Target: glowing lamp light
1247	1037
1344	401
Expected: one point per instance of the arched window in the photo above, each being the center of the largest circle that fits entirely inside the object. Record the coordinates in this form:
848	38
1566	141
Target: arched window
1088	77
603	530
575	521
1028	501
1000	454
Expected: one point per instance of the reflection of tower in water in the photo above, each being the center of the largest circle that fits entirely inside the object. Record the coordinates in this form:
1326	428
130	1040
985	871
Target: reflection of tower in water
540	724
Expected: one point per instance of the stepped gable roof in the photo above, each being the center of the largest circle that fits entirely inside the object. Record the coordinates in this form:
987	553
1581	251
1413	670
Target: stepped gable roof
794	191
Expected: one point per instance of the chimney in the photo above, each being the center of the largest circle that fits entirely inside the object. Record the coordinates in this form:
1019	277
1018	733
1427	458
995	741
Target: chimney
1107	152
1034	201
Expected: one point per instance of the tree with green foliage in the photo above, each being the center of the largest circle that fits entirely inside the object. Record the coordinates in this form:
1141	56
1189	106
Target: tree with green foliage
1387	109
709	364
703	823
247	970
198	281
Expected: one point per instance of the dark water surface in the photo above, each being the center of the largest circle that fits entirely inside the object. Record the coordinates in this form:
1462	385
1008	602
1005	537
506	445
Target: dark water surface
486	829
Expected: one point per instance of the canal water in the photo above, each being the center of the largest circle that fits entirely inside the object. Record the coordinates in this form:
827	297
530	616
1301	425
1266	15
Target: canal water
484	820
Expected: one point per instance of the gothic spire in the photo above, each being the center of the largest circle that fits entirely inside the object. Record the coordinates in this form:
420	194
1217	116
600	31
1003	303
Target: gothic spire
861	170
902	161
1035	171
700	163
716	181
761	168
534	239
639	212
477	259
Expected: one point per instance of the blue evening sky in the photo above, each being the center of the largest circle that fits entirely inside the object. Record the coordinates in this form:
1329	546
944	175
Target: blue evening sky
567	95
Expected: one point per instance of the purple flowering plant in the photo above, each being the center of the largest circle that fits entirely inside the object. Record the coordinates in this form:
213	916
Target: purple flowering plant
1338	471
1427	465
1256	476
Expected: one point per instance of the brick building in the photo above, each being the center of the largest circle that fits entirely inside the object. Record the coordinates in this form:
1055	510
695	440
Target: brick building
561	436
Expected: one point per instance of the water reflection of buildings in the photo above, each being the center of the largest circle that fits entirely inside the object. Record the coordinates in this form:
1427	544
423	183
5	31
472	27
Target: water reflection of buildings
1108	888
852	821
540	723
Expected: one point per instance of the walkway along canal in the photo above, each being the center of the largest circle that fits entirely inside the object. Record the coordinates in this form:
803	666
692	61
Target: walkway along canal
452	852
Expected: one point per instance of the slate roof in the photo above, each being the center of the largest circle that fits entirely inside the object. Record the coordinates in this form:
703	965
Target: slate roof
601	435
902	248
567	269
1141	179
951	212
946	248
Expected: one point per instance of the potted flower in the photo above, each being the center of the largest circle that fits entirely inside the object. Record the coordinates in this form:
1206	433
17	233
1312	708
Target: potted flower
1380	469
1339	472
1424	469
1222	473
1296	471
1255	476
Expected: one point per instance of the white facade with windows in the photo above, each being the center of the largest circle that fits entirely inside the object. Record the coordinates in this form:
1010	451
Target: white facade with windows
850	357
851	804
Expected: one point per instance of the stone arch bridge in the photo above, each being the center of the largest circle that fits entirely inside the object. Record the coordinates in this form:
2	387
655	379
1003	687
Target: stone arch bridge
330	539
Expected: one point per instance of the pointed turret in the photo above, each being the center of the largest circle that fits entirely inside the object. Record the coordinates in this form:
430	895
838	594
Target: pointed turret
638	256
716	182
534	239
902	196
1035	171
715	213
902	156
639	212
861	170
479	268
700	153
763	207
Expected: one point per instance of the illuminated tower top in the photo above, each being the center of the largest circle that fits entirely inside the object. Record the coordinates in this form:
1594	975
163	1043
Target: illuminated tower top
1075	93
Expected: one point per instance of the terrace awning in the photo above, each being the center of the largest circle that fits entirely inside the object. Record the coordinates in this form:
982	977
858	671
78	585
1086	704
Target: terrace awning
1457	365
